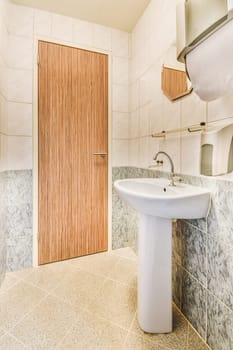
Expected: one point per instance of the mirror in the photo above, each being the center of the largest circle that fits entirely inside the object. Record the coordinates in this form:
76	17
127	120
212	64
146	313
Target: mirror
174	81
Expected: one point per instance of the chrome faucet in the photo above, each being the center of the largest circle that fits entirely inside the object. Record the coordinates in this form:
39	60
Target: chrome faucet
172	178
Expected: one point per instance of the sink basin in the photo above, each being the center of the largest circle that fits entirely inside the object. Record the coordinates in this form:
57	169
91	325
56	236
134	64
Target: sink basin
155	197
158	203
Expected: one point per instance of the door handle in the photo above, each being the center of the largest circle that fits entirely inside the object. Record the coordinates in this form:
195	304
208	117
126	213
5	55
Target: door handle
102	154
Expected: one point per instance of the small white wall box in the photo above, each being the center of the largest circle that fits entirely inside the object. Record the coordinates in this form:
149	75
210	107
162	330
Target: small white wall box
217	151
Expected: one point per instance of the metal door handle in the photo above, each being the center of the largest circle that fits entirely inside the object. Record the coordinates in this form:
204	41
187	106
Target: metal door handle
103	154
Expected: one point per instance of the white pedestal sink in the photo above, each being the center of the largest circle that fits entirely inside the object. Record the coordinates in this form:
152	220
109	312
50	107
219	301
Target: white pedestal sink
158	203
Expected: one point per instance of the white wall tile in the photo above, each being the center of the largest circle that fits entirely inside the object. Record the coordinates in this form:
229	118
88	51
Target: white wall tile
120	125
134	124
171	114
83	32
120	70
3	153
134	96
4	10
133	152
120	101
156	117
20	20
220	108
102	37
3	78
153	149
62	27
19	119
144	120
20	85
171	145
191	154
144	154
134	70
19	153
120	153
3	114
120	43
3	41
193	110
20	51
43	23
145	89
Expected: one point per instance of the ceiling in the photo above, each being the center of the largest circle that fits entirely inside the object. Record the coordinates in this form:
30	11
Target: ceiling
120	14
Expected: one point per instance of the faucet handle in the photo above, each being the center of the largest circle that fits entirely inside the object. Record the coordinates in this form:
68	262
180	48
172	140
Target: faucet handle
177	178
158	164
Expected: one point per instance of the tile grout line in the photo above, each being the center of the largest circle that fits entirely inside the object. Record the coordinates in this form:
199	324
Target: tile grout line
220	301
208	290
190	325
129	329
15	338
63	338
196	227
86	309
11	330
187	339
195	278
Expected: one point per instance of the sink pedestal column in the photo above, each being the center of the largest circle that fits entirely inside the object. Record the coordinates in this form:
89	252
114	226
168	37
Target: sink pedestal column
155	274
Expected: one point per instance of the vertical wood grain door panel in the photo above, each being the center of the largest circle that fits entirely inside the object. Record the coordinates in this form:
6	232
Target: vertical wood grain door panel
73	125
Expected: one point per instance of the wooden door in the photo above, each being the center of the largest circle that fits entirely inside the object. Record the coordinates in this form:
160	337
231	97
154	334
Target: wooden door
73	125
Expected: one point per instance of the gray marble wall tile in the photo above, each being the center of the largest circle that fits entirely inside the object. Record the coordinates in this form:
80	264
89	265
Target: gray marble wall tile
119	173
19	187
201	224
193	303
195	342
177	241
220	270
3	253
133	227
138	172
220	219
3	245
220	325
19	219
194	251
18	230
19	253
119	222
119	212
177	273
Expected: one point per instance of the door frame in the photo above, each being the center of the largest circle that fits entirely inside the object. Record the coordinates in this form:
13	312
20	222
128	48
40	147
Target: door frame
35	148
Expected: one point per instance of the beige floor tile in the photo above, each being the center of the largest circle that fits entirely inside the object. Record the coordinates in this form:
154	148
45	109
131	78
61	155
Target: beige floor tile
115	302
92	333
100	264
18	301
135	342
2	332
177	340
125	271
7	342
9	281
79	287
195	342
46	325
125	253
22	274
48	276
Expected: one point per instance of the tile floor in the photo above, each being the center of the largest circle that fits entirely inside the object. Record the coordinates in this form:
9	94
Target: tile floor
86	303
